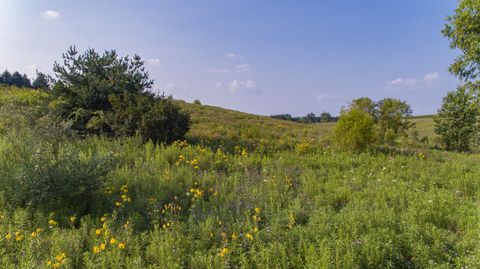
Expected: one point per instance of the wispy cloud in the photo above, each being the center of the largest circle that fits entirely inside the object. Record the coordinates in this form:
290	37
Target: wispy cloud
153	61
243	86
411	84
51	15
242	68
326	96
232	55
219	71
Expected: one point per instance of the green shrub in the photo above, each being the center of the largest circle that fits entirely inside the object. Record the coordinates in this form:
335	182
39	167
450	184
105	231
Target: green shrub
355	130
457	120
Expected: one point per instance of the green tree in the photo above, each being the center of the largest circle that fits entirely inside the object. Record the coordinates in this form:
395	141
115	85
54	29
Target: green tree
355	130
463	31
6	78
41	81
393	119
457	120
108	94
366	104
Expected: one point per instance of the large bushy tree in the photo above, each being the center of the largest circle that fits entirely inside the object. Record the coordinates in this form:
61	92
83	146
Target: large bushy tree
108	94
390	119
457	119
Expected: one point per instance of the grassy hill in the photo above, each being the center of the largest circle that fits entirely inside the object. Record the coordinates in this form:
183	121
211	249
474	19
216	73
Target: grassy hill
246	191
223	126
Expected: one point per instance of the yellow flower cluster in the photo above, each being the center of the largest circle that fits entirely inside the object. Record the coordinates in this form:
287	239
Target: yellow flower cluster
223	252
181	143
197	193
123	197
59	260
52	223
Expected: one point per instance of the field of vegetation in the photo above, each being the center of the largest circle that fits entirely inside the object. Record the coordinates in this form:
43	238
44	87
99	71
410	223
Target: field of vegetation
243	191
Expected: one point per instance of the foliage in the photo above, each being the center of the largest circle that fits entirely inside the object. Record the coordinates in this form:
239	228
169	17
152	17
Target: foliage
457	121
390	117
463	31
107	94
15	79
393	119
355	130
458	118
41	81
165	121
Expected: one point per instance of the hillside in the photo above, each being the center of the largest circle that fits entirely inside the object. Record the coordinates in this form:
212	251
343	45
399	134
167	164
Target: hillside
219	125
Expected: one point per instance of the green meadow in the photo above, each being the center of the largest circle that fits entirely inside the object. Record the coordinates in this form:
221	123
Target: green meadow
242	191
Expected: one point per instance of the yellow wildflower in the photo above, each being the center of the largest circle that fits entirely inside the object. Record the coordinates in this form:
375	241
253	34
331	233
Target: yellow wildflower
73	219
255	229
234	236
121	245
113	241
38	230
60	257
18	236
258	210
8	236
96	249
249	236
118	204
56	265
102	246
98	231
103	219
223	252
52	222
34	234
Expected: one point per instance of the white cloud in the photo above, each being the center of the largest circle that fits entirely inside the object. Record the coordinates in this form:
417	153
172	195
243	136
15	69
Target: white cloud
242	68
231	55
410	84
51	15
153	62
243	86
219	71
432	77
326	96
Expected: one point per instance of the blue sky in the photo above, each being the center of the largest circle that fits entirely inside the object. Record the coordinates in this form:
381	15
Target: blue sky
264	57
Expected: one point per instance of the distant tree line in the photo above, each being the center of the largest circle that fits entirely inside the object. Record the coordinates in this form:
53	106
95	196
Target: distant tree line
309	118
41	81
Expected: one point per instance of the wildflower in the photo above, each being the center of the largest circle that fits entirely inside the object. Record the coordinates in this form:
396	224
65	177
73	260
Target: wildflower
18	236
98	231
34	234
52	222
121	245
56	265
73	219
255	229
223	252
124	189
118	204
256	218
38	230
8	236
249	236
113	241
102	246
61	257
103	219
258	210
234	236
96	249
